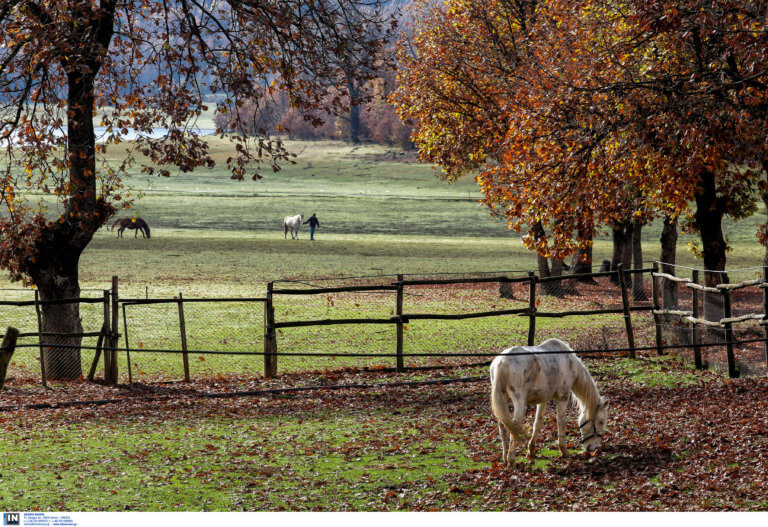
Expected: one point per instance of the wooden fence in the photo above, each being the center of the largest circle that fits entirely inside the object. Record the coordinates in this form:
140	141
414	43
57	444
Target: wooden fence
400	319
694	319
108	337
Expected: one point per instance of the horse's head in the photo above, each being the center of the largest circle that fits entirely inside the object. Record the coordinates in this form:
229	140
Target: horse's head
592	425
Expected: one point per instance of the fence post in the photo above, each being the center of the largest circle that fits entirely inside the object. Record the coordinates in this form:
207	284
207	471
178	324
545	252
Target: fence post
127	347
765	312
657	307
697	362
183	329
40	338
6	351
733	372
400	325
100	342
532	308
110	352
270	337
627	314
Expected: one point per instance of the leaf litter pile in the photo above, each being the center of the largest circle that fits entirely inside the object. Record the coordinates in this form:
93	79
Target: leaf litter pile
678	440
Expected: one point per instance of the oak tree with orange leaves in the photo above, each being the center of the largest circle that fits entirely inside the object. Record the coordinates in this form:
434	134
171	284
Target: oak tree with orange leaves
134	66
573	110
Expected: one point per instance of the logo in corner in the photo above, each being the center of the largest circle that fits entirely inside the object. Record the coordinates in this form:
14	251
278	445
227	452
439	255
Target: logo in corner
11	518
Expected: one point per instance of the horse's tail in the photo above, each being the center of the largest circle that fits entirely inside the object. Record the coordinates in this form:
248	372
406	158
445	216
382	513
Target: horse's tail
499	403
115	223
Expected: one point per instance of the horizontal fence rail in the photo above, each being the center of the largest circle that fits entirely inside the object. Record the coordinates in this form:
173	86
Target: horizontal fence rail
711	309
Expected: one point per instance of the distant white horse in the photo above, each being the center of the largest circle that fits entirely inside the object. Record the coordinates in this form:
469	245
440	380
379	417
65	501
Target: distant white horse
536	375
292	223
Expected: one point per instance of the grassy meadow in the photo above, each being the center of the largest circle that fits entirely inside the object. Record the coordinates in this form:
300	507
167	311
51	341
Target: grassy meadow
380	212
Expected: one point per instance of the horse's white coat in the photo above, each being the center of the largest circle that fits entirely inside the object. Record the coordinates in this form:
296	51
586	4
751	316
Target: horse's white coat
292	223
525	377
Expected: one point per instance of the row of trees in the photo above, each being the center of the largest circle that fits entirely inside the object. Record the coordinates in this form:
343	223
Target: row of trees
578	115
371	118
589	114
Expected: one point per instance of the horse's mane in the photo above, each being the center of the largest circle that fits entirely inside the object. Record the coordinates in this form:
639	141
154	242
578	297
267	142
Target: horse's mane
584	387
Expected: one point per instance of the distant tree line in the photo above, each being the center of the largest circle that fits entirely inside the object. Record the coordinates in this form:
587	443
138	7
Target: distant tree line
370	119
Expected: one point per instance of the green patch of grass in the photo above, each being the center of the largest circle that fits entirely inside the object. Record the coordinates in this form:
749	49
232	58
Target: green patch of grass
546	458
333	462
668	371
212	235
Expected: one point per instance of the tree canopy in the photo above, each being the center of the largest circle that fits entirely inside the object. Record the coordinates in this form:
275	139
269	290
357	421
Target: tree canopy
579	112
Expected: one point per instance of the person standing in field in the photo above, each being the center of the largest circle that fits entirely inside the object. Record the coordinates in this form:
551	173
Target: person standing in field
313	223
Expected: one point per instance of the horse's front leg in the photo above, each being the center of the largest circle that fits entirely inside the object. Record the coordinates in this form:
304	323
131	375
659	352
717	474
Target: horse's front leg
537	424
562	408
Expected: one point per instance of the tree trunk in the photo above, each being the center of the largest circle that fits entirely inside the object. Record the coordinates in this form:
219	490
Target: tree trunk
354	123
622	248
54	270
542	262
582	260
561	287
765	202
354	111
61	354
709	219
669	256
638	291
669	287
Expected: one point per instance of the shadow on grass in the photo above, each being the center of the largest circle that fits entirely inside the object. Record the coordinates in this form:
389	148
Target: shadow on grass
616	461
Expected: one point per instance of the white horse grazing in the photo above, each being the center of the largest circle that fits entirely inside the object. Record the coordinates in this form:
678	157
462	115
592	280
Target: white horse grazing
292	223
536	375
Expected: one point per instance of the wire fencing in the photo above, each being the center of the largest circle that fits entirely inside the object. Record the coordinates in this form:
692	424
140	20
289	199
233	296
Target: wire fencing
182	338
386	321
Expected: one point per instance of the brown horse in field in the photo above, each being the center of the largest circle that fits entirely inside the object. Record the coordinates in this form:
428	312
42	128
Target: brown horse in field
136	224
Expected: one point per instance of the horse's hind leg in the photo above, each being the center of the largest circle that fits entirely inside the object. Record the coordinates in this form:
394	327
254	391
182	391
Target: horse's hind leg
504	435
537	424
517	416
562	407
